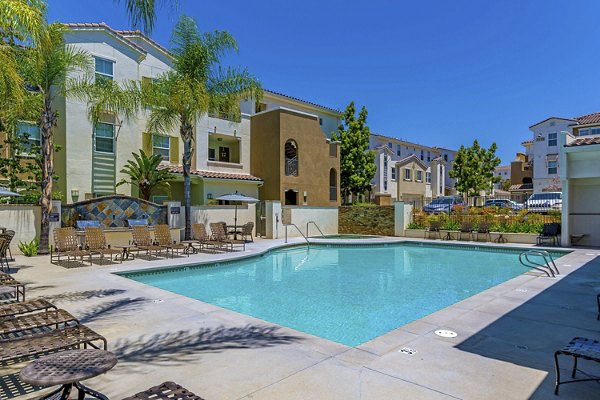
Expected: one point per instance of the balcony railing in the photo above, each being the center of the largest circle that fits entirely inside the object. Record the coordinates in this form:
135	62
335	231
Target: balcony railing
332	193
291	166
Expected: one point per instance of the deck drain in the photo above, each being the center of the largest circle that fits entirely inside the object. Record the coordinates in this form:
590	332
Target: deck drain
407	350
521	290
158	301
521	347
446	333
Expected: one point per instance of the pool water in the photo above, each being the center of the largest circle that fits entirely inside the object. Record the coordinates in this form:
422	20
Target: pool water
347	294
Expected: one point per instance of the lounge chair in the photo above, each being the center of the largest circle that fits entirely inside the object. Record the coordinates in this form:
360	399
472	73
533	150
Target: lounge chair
66	244
202	238
483	229
11	286
434	228
162	234
58	339
143	242
165	391
4	243
95	241
8	235
466	228
28	322
219	235
579	347
24	307
550	232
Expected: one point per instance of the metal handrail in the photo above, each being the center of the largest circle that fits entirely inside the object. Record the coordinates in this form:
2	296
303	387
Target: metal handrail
545	268
299	231
317	226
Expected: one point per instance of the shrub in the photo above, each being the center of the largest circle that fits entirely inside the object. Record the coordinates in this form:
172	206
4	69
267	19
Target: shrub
29	249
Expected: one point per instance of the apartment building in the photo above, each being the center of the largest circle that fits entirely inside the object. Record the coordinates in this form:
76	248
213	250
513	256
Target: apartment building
545	150
428	166
503	171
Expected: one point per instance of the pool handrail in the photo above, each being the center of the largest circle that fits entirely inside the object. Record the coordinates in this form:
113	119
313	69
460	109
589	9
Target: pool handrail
298	229
546	267
316	226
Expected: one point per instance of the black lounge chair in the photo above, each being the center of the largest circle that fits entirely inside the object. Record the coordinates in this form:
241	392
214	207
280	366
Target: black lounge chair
165	391
586	349
483	229
550	232
466	228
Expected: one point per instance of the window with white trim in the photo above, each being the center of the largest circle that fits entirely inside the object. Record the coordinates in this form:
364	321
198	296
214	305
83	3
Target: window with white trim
104	139
212	154
161	144
407	174
422	155
552	139
393	173
104	69
31	135
552	167
419	176
398	150
428	177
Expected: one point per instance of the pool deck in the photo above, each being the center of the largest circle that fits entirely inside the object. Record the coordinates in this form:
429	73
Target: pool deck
504	349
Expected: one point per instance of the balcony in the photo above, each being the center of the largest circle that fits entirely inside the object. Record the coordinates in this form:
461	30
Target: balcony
291	166
224	150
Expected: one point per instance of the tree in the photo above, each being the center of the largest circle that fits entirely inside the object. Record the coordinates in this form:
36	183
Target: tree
357	162
196	85
144	174
473	168
505	185
45	68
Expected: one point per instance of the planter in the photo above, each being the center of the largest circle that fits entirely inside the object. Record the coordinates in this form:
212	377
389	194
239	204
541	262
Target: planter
523	238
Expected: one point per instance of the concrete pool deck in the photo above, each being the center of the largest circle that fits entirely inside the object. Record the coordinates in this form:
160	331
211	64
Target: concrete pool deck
504	349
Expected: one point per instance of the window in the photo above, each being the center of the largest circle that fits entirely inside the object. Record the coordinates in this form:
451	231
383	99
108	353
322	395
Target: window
390	145
161	145
552	139
105	138
407	174
398	150
428	156
584	132
422	155
428	177
332	184
552	167
291	158
212	154
321	121
419	176
393	173
30	134
446	157
595	131
104	70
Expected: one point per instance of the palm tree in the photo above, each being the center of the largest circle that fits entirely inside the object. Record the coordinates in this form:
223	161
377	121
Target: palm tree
142	13
45	68
144	174
196	85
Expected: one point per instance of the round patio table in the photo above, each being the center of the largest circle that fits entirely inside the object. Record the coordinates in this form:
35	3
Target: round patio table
67	369
126	252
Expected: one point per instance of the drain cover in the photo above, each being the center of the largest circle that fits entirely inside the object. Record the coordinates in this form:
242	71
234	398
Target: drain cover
521	290
445	333
158	301
407	350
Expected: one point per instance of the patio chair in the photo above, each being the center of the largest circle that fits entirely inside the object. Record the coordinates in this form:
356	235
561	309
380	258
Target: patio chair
24	307
11	286
165	391
466	228
4	244
247	229
143	242
434	228
66	244
202	238
483	229
219	234
550	232
29	322
586	349
95	241
162	234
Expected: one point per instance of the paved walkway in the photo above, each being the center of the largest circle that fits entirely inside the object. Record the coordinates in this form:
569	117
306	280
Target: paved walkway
506	339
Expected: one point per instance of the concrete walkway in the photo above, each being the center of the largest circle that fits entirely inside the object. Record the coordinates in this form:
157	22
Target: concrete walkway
504	348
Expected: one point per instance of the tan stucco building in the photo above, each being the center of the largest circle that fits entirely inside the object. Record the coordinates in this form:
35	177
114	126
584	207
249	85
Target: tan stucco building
297	162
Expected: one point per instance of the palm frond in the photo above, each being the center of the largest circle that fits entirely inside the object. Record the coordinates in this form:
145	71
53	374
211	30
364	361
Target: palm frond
23	20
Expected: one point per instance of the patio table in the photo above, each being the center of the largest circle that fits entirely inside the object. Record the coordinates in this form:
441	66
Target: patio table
126	252
234	230
67	369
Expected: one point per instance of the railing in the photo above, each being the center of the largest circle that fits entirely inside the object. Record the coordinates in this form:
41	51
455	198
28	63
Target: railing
299	231
332	193
316	226
546	267
291	166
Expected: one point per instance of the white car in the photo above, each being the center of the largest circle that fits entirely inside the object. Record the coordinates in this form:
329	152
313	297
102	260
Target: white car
543	202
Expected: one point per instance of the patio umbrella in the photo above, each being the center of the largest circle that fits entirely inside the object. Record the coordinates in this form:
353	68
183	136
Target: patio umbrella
242	198
6	192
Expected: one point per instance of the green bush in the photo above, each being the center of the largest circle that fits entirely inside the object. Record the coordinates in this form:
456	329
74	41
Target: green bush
29	249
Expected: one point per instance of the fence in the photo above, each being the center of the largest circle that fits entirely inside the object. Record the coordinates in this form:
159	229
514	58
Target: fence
473	201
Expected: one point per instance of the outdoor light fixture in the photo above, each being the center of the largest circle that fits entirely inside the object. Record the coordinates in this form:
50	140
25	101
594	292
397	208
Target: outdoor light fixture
75	194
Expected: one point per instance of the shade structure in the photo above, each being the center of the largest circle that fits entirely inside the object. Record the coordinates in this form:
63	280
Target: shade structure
6	192
242	198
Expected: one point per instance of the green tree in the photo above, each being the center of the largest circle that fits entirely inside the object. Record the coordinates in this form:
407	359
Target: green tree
45	68
357	162
144	174
505	185
19	164
196	85
473	168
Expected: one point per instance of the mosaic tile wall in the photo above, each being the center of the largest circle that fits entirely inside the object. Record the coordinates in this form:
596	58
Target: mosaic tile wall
114	211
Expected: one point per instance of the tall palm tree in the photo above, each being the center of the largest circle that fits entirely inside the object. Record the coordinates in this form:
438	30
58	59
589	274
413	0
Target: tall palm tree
45	68
196	85
142	13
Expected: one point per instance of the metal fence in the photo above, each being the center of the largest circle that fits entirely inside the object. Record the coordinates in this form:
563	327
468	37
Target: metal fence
507	222
474	201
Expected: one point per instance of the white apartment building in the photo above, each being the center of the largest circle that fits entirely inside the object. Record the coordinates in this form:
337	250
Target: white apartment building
545	150
503	171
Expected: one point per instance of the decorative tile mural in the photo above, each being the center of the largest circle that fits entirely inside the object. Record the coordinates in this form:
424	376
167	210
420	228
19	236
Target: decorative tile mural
114	211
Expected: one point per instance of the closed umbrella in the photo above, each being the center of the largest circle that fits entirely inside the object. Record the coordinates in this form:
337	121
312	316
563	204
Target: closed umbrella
242	198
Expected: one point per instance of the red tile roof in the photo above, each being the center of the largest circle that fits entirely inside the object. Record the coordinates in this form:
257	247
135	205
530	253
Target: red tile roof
109	29
178	169
584	141
521	186
589	119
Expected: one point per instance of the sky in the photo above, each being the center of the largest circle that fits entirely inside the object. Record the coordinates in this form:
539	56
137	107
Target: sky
437	72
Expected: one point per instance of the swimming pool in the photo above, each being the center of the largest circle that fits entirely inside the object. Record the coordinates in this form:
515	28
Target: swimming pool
347	294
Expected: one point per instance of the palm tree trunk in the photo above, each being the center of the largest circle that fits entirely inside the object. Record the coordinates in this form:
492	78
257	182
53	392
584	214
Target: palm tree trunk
48	121
186	134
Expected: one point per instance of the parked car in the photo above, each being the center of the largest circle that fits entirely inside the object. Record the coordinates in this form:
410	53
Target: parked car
504	203
543	202
443	204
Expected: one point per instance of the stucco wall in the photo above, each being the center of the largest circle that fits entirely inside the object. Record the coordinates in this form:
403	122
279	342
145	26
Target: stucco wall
207	214
326	219
25	220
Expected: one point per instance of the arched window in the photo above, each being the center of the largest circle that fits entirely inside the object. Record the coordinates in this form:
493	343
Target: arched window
291	158
332	184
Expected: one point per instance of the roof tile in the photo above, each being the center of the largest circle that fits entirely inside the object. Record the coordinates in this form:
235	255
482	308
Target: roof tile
178	169
593	118
584	141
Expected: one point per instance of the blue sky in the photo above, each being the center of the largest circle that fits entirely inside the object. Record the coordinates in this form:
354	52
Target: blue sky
434	72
